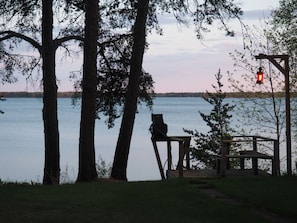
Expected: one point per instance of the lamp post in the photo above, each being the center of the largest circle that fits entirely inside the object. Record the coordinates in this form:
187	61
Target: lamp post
285	70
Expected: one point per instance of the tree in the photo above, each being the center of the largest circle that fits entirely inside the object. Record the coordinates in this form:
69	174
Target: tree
282	34
208	145
114	50
122	149
19	26
87	168
114	53
250	108
201	13
19	23
21	14
50	110
283	38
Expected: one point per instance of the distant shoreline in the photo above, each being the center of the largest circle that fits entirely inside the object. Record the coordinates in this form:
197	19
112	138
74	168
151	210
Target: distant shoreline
72	94
169	94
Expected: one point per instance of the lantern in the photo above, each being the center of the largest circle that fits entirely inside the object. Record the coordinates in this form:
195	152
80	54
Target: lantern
260	76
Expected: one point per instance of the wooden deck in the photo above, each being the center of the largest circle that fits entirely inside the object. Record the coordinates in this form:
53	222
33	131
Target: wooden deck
183	164
206	174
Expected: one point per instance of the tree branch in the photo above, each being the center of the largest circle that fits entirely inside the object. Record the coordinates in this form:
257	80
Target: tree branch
115	39
60	41
11	34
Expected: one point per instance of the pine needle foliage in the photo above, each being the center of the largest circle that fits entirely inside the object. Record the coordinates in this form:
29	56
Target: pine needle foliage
208	145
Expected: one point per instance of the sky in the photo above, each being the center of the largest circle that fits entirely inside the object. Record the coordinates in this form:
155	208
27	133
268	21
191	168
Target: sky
177	60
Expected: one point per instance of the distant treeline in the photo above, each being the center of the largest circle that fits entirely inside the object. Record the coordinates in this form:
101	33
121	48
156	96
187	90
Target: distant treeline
228	94
170	94
24	94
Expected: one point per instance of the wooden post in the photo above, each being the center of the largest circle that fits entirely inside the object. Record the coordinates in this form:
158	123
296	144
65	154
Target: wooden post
158	159
255	160
181	157
169	155
276	162
188	160
286	71
241	163
187	151
223	166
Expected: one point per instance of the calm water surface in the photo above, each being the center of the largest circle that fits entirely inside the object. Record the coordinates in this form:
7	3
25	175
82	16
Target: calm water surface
22	144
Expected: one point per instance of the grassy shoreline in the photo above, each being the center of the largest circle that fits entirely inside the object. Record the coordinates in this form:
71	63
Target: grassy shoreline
176	200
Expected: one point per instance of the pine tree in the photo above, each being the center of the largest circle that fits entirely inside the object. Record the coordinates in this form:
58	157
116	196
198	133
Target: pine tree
218	120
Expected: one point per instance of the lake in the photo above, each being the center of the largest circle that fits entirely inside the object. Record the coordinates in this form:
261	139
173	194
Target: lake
22	144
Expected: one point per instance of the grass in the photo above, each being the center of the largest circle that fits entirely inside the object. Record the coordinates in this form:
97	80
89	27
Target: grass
158	201
276	194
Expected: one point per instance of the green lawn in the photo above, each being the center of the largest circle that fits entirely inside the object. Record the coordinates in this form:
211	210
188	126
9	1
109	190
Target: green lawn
141	202
276	194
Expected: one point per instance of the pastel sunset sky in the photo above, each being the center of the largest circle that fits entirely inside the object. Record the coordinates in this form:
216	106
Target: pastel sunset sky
177	60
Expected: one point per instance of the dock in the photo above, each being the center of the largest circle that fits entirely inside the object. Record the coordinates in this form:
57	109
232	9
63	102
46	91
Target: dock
209	174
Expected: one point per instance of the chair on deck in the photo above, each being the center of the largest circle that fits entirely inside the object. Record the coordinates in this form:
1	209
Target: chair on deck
158	127
159	130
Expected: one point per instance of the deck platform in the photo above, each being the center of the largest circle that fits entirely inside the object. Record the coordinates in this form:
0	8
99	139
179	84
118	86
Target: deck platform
208	174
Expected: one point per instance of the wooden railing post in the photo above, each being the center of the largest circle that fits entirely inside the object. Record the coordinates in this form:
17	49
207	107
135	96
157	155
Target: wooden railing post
223	166
169	155
181	157
187	151
158	159
255	160
276	162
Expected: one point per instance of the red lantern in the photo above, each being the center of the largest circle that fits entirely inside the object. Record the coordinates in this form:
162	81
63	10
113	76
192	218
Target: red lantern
260	76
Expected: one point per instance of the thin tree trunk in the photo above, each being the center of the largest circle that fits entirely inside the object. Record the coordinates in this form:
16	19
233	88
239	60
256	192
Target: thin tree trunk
87	168
50	116
120	162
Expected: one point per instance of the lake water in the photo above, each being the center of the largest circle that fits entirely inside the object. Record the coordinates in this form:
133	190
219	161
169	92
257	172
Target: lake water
22	144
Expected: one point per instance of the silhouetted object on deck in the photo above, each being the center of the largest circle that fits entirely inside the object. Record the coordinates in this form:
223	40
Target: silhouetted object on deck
158	128
159	134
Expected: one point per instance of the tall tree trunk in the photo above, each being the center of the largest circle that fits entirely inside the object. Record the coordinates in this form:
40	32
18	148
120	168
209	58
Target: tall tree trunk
87	168
120	162
50	116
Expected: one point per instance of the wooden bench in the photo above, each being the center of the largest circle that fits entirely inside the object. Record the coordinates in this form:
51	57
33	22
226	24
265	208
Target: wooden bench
248	154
